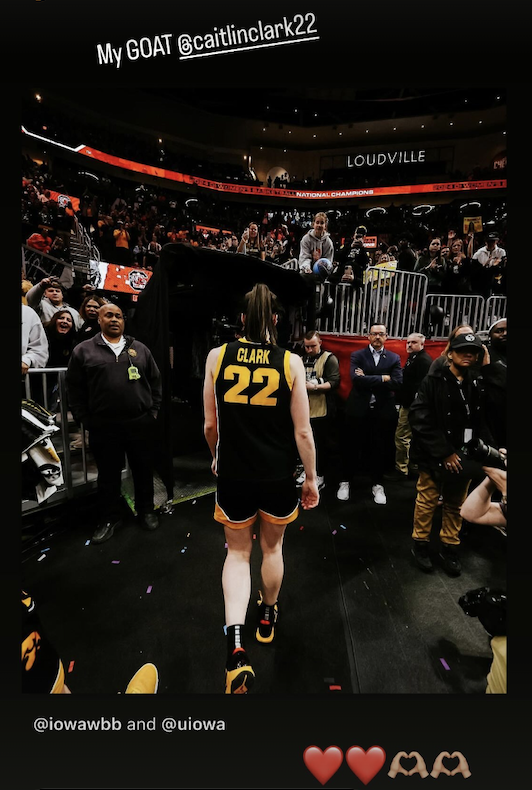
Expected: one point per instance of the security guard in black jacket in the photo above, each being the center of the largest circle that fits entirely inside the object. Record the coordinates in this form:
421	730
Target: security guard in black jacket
114	389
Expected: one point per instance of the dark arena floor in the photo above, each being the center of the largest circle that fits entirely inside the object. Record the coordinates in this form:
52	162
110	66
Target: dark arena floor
356	615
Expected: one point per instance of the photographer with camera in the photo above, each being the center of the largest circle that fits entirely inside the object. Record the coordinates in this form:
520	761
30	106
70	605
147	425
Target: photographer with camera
353	260
431	263
445	416
485	603
479	507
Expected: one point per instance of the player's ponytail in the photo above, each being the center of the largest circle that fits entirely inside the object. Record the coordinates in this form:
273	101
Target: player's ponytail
260	306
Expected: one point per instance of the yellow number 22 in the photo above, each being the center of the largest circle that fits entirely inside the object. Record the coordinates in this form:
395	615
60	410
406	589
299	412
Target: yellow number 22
244	377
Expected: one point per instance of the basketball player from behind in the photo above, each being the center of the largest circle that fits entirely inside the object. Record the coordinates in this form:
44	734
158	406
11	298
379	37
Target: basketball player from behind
256	424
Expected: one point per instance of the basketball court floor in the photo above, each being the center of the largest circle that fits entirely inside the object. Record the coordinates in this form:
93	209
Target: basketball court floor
356	615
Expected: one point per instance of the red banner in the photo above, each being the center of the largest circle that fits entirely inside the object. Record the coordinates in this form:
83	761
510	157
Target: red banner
342	347
245	189
125	279
62	199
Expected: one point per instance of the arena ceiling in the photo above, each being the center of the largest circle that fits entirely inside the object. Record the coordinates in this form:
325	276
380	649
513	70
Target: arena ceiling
314	105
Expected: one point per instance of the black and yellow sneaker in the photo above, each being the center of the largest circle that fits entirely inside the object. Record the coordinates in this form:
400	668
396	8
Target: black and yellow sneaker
266	620
239	675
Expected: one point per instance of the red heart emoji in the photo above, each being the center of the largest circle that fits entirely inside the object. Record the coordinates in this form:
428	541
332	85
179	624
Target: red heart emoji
365	765
323	765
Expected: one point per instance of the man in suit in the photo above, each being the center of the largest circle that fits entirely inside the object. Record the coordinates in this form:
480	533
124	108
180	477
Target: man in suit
371	416
416	368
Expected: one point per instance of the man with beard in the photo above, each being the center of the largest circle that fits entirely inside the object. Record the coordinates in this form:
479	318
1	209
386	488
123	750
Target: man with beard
444	416
493	382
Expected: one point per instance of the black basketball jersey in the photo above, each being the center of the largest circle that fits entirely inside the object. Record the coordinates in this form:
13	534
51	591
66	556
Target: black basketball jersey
253	386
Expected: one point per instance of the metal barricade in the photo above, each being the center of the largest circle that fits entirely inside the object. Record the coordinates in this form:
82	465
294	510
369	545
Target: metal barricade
495	308
79	473
454	310
391	297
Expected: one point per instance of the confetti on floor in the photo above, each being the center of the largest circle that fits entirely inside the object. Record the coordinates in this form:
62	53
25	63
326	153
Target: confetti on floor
225	546
115	562
45	549
149	589
335	688
300	528
445	664
87	542
71	666
342	526
335	532
41	557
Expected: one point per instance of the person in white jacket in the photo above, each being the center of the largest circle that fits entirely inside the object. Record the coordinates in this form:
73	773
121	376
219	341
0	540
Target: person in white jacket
34	341
316	245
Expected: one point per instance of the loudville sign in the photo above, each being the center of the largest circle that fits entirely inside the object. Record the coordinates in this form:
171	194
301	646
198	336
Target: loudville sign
388	158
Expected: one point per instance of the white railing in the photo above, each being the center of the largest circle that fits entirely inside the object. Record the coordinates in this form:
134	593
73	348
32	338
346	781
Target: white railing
400	300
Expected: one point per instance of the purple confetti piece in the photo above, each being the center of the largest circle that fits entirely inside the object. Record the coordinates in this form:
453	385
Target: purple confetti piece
149	589
445	664
225	546
334	532
115	562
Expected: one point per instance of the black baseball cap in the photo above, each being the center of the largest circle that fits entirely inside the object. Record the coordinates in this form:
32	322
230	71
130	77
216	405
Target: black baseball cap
466	341
493	235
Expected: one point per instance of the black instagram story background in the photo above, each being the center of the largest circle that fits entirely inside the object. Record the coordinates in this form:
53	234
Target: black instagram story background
380	43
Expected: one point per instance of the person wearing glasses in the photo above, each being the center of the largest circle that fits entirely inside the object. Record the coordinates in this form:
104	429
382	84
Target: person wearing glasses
370	414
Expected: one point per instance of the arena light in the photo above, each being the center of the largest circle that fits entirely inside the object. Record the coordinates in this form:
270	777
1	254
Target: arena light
422	209
472	203
190	200
379	209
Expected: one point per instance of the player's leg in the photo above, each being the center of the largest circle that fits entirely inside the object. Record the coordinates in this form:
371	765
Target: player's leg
236	585
278	508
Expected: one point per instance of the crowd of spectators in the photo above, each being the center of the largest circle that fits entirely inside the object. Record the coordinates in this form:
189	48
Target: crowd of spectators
129	225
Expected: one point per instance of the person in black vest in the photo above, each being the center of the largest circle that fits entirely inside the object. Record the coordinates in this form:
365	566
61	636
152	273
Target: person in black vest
256	423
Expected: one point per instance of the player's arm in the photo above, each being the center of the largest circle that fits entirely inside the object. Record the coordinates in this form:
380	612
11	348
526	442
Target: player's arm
210	425
299	410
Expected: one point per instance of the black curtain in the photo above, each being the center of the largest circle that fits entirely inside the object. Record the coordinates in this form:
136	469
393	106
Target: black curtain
191	290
